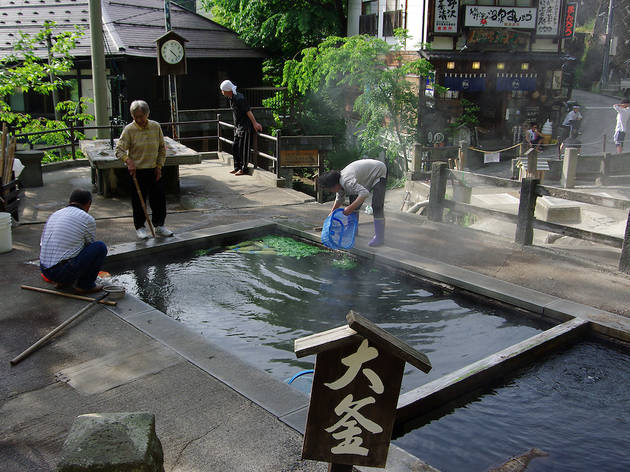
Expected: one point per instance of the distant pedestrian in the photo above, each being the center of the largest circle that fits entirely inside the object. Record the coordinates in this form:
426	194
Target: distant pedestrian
533	137
141	146
357	180
70	255
244	124
572	120
623	114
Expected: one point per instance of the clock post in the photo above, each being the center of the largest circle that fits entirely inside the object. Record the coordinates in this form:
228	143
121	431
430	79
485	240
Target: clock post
171	57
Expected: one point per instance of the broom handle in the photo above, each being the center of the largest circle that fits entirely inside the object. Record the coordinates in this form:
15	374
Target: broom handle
144	207
39	343
68	295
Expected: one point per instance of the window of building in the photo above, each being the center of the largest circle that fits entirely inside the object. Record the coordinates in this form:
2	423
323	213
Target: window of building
391	21
369	7
368	21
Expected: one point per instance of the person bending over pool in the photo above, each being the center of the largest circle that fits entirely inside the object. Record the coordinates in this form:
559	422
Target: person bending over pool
70	254
357	180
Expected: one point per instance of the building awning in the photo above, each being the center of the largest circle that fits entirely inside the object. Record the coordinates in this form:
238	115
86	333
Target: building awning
509	82
465	82
496	56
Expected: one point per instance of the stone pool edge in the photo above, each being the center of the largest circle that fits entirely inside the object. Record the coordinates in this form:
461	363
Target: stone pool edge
287	404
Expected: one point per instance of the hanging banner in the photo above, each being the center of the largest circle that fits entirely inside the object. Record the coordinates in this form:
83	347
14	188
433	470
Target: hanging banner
500	17
569	20
446	15
510	82
548	20
465	82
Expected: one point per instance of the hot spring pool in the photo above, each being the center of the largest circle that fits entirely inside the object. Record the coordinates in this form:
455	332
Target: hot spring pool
256	305
574	405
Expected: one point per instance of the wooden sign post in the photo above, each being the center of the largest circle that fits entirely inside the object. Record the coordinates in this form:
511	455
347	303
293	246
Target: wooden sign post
358	373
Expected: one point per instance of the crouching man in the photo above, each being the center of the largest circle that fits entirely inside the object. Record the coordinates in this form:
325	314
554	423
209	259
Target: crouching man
357	180
70	255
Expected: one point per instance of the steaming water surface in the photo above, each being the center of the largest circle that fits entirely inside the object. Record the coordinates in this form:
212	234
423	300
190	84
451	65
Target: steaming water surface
255	306
575	406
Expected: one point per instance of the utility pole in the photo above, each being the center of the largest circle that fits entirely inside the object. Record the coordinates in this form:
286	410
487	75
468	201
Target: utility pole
55	97
99	81
172	78
606	62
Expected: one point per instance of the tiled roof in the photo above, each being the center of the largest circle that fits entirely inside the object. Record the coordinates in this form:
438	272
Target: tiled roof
130	27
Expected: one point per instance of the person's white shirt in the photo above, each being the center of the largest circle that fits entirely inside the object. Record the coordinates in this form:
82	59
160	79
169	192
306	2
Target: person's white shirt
623	114
573	115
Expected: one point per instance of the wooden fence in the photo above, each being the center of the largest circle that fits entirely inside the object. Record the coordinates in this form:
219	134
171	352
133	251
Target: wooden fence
530	190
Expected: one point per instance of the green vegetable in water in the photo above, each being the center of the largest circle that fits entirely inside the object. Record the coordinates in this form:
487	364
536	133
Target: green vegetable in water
290	247
345	263
282	246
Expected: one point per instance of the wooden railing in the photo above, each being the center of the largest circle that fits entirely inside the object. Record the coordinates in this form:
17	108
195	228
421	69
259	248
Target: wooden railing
530	190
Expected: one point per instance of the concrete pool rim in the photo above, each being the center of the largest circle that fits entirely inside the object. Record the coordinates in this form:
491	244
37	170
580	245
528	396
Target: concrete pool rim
287	404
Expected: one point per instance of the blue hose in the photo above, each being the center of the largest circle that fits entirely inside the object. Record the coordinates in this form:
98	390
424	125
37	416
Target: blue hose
299	374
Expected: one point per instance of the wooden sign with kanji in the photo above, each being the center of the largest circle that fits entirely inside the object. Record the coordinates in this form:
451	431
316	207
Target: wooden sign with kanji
358	373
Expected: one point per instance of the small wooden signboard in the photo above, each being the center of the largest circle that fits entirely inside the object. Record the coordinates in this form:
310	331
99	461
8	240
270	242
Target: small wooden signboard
358	373
299	157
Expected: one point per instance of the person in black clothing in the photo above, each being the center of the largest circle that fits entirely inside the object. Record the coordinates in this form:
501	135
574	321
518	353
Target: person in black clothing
244	122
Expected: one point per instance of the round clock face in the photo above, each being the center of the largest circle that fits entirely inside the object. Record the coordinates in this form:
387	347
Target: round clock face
172	51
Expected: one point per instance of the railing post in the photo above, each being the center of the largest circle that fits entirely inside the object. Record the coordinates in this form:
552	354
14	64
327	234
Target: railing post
219	147
319	191
624	260
532	163
72	145
526	208
278	135
255	149
437	191
569	168
462	155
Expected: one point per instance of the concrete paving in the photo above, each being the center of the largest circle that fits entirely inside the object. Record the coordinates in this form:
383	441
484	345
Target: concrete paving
203	422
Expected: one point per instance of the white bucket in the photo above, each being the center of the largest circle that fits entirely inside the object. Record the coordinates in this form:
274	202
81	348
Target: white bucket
6	243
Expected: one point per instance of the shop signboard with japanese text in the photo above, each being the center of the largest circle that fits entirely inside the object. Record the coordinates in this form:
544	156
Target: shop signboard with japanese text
500	17
353	403
446	15
548	21
569	20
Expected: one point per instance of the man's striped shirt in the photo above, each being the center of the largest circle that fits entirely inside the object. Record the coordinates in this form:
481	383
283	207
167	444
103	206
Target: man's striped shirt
66	233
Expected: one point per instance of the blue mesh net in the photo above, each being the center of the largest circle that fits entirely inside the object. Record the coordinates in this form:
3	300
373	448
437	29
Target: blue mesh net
339	230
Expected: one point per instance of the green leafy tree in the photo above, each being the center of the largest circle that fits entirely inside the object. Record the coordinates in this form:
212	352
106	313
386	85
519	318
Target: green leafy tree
23	71
71	113
281	27
364	78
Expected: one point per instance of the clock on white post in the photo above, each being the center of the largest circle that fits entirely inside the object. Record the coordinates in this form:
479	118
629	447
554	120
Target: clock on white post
172	51
171	54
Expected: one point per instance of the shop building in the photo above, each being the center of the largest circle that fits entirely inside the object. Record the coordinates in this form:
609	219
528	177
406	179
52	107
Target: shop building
505	56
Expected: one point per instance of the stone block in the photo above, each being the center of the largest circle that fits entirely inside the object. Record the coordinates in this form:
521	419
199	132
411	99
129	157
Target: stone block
558	210
110	442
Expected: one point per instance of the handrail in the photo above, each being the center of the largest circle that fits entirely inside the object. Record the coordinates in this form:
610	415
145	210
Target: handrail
525	220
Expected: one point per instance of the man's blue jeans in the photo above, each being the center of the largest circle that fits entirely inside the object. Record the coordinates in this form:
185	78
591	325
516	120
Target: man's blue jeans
82	269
